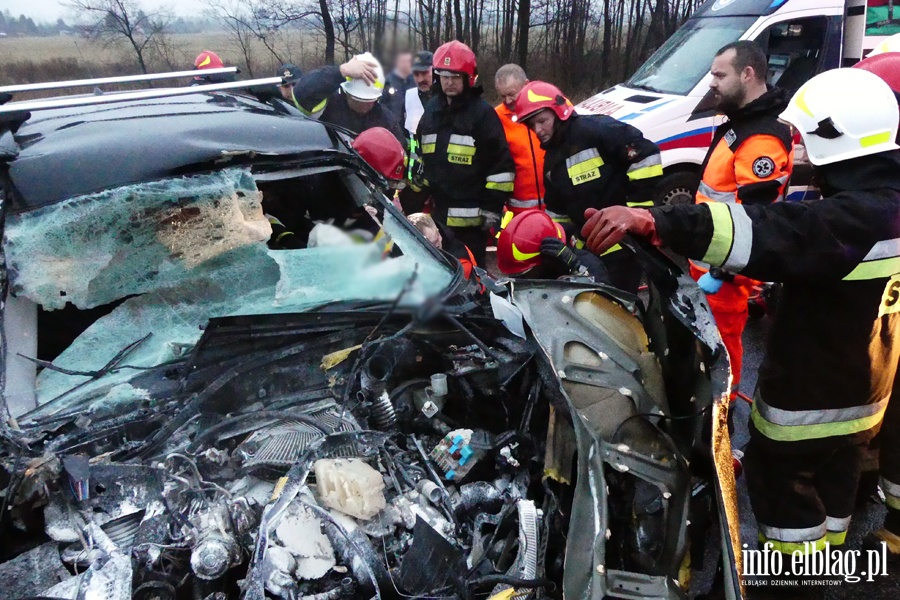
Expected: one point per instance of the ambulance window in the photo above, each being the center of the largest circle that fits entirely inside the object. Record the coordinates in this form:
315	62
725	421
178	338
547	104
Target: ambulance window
679	64
795	50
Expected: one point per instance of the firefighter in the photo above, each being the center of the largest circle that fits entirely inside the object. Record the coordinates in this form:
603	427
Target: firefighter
412	197
528	188
533	245
467	167
347	96
749	161
884	457
208	59
833	347
381	150
442	238
591	161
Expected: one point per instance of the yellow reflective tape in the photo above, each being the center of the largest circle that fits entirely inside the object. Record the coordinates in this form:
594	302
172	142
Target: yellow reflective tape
875	269
458	149
836	538
723	233
507	217
875	139
519	255
800	101
562	219
428	148
645	172
585	166
615	248
464	221
317	108
503	187
506	594
892	502
378	85
809	547
636	204
283	234
799	433
532	97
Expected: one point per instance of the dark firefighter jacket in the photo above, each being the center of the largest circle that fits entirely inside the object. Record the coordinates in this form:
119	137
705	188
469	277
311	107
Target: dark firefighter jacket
595	161
466	159
834	345
318	94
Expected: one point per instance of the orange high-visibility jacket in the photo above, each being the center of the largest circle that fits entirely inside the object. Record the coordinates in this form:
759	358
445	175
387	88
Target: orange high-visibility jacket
528	187
749	162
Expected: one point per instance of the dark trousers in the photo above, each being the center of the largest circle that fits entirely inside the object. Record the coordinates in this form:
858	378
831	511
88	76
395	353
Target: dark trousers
799	485
889	459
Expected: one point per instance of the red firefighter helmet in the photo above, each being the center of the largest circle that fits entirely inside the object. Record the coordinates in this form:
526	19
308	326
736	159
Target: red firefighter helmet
886	66
378	147
538	95
208	60
519	246
456	57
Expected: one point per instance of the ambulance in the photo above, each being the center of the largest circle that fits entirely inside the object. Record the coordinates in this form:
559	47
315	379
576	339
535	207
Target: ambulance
668	98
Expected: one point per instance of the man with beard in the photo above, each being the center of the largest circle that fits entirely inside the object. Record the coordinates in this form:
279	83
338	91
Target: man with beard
749	162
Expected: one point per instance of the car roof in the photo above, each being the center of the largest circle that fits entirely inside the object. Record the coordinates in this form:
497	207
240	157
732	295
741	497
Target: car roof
63	153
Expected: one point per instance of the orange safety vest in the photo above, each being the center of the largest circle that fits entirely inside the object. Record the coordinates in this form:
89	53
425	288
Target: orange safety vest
749	161
528	187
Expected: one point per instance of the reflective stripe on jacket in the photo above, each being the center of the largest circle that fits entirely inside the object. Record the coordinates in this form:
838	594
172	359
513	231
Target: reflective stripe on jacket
834	346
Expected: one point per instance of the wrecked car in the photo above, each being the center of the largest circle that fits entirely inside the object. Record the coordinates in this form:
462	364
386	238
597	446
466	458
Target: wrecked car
190	413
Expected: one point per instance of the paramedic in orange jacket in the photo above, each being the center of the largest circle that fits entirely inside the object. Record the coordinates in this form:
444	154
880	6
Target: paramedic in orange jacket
749	162
528	186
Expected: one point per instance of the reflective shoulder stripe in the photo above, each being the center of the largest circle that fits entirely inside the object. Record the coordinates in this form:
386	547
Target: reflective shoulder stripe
798	425
732	238
428	143
882	260
716	195
645	169
501	181
584	162
582	156
462	140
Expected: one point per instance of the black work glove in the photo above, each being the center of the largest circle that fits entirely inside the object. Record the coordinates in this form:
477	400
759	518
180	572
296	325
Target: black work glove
557	251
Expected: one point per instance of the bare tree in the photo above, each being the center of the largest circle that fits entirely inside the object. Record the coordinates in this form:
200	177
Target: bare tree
121	22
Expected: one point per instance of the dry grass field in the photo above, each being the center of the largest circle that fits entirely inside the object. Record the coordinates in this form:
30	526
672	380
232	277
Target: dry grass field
36	59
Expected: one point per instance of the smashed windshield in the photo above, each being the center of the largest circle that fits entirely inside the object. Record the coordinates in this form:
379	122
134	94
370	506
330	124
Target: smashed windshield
679	64
172	254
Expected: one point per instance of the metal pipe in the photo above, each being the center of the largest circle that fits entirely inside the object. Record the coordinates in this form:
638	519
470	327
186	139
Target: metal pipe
15	107
57	85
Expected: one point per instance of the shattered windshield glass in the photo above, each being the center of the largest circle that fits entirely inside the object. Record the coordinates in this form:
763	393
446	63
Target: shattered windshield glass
180	252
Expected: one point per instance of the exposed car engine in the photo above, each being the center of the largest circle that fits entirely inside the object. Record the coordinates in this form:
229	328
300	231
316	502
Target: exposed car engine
332	466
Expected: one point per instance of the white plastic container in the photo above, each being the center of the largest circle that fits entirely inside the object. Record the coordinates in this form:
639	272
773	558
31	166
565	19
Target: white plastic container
350	486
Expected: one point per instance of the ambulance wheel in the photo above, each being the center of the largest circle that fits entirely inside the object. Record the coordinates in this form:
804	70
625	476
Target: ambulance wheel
676	188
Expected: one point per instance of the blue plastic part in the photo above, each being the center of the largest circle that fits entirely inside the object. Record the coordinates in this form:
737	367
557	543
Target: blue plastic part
450	474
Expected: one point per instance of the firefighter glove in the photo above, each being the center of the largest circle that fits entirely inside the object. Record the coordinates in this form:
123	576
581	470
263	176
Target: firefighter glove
606	228
491	220
555	250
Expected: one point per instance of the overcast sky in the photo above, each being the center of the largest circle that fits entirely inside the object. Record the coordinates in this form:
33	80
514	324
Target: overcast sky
50	10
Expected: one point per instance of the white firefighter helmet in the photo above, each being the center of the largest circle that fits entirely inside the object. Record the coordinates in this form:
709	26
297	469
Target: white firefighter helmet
891	44
359	88
843	114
